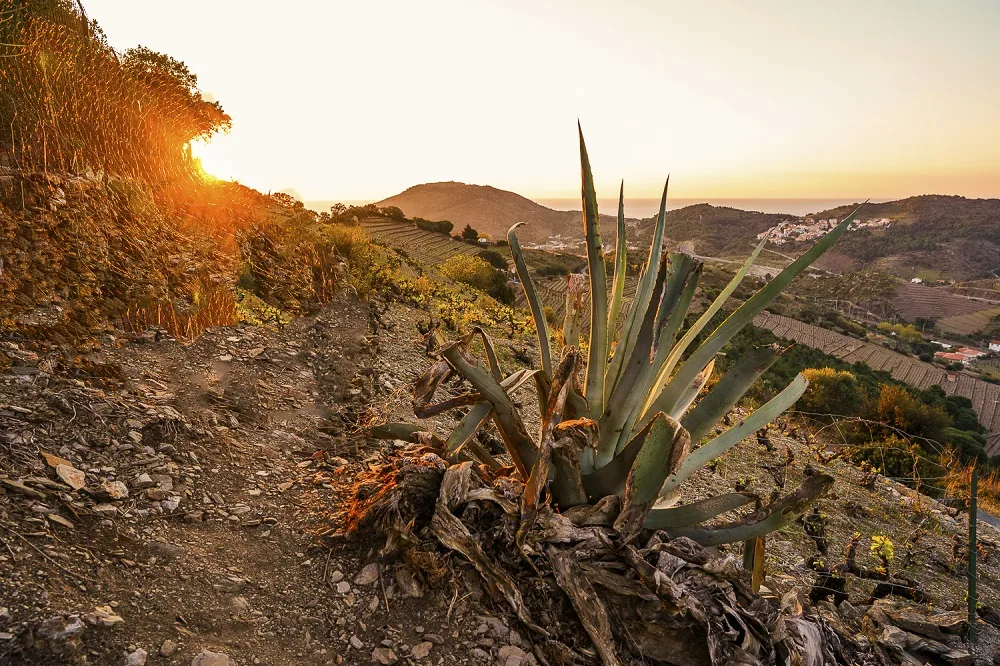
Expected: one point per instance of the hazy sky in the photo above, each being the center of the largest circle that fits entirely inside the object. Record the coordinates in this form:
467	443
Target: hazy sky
361	99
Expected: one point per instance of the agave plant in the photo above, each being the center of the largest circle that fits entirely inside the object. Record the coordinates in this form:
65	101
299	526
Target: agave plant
618	420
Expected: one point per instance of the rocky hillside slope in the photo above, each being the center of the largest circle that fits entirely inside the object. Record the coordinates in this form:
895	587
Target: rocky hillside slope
175	502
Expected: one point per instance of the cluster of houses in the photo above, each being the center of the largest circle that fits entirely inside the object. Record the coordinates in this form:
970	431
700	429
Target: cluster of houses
793	231
963	355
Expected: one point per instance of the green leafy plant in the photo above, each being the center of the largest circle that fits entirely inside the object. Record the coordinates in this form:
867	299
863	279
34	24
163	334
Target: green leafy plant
619	420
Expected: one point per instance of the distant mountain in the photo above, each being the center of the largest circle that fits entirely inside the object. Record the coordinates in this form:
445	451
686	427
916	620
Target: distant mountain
934	237
715	231
493	211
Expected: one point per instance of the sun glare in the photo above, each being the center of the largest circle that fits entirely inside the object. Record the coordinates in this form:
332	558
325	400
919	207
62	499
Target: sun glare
212	158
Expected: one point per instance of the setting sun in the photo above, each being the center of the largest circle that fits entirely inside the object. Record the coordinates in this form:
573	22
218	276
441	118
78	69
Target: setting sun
212	158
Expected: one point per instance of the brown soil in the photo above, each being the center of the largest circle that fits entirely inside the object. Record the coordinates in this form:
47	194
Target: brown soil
259	448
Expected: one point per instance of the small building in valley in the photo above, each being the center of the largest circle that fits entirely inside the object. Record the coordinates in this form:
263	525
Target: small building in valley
951	357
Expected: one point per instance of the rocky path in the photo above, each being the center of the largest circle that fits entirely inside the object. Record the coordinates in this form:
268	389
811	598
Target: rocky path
163	503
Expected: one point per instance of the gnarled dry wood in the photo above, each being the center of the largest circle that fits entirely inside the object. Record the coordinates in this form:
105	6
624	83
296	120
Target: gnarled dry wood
456	485
589	607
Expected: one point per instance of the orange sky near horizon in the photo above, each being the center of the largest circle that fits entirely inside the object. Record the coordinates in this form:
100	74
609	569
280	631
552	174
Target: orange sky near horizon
779	98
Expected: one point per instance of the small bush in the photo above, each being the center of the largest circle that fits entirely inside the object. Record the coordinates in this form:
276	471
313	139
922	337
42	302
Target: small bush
477	273
830	392
494	258
348	241
438	227
472	271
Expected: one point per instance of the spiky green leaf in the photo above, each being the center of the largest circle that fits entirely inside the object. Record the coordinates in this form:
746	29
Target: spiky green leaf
769	519
746	312
664	447
697	512
640	304
597	360
733	385
677	351
530	295
519	443
621	266
727	440
693	391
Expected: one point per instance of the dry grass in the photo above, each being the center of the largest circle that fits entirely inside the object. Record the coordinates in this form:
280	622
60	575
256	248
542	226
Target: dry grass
213	307
958	483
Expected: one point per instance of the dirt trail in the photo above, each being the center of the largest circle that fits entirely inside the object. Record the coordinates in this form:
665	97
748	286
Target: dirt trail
232	451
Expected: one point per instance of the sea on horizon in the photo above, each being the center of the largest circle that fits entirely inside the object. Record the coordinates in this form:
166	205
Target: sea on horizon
647	207
641	208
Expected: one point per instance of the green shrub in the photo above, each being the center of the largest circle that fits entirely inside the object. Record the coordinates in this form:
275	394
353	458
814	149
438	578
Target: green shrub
830	392
494	258
473	271
438	227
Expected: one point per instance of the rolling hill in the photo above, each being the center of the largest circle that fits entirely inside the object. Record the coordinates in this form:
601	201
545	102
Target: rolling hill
934	237
931	237
492	211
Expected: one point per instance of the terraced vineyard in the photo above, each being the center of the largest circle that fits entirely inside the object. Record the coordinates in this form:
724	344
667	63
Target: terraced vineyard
916	300
984	395
969	324
552	291
425	246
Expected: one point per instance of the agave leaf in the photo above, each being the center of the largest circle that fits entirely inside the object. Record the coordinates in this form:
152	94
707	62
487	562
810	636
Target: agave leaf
665	446
576	294
456	485
727	440
462	436
597	361
768	519
533	487
534	303
508	421
610	478
491	353
621	267
475	450
693	391
573	438
677	351
576	583
697	512
426	386
468	426
620	402
733	385
685	272
640	303
542	386
746	312
678	293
